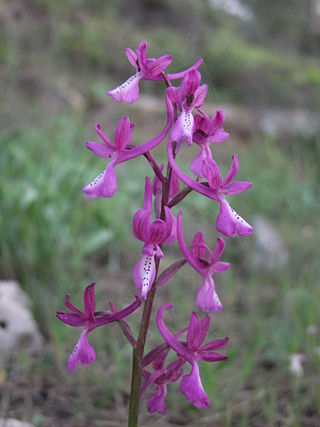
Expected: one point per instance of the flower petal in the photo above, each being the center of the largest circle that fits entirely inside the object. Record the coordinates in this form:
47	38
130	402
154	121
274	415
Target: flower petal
207	298
192	388
181	74
155	67
201	188
220	266
198	247
170	339
171	223
233	171
89	299
104	185
212	357
183	128
141	54
197	331
100	149
123	134
127	91
132	57
144	274
156	403
199	96
70	306
219	249
213	174
71	319
82	354
230	223
190	83
141	225
217	120
236	187
198	164
104	137
189	256
219	136
216	344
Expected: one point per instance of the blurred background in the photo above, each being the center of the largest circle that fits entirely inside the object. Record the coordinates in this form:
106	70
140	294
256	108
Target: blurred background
261	62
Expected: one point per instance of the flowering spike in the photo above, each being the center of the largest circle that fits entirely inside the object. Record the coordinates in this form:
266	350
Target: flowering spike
155	226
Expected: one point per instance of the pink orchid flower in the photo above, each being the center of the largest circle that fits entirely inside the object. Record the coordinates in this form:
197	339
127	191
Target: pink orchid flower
146	69
83	353
229	222
160	376
192	351
189	96
153	234
206	131
207	298
105	184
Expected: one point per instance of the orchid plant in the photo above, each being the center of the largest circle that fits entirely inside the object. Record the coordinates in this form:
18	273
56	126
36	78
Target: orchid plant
157	225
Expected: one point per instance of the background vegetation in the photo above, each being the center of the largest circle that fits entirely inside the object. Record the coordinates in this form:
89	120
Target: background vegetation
57	59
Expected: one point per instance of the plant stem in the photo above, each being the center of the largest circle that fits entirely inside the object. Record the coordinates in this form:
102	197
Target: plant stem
137	357
144	325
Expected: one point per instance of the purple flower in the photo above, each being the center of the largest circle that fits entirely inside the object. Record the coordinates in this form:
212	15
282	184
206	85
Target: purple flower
146	69
207	298
105	184
192	352
161	376
229	222
190	95
153	234
206	131
83	353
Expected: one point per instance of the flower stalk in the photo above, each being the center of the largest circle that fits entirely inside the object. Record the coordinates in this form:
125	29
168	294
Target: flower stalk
186	123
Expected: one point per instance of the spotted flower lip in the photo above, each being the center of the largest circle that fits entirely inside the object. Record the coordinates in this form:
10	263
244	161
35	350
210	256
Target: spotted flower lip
146	69
83	353
105	184
153	234
207	298
189	96
206	131
229	222
192	351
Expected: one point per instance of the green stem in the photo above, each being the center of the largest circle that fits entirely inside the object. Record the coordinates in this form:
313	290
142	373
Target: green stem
136	376
144	325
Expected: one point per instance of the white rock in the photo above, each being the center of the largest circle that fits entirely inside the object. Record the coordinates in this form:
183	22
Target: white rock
296	364
11	422
270	252
17	326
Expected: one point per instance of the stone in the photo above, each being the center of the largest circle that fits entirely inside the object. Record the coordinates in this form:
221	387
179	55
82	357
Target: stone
11	422
18	329
270	251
